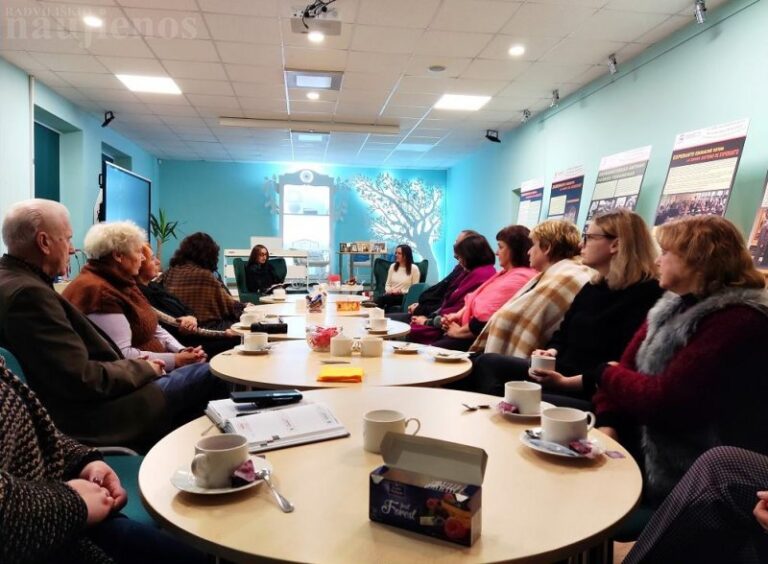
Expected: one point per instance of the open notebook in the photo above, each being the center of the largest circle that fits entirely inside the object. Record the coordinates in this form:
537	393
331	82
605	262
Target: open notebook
276	427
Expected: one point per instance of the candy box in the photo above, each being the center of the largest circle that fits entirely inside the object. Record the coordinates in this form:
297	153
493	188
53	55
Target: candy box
430	487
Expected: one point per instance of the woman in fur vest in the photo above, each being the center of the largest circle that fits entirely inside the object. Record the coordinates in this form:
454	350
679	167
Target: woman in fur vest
694	376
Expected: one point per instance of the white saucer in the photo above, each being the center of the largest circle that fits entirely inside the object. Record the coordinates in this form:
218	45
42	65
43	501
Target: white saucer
185	481
518	416
376	331
242	350
555	449
405	349
452	356
277	299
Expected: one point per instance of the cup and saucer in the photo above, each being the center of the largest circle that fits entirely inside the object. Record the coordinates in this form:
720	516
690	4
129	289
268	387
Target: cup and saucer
258	351
505	410
564	433
184	480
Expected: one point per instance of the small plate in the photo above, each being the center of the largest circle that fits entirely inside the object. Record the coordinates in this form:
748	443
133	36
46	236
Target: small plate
184	480
376	331
556	449
441	355
277	299
518	416
405	349
242	350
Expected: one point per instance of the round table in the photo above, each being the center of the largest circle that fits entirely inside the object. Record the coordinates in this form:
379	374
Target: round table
299	308
536	508
333	296
353	326
291	364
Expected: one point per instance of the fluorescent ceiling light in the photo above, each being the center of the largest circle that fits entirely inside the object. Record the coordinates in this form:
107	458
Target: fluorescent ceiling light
155	84
517	50
461	102
93	21
414	147
307	81
310	137
313	95
316	36
310	126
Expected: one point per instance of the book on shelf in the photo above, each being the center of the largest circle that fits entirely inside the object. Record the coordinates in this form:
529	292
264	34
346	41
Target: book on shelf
276	427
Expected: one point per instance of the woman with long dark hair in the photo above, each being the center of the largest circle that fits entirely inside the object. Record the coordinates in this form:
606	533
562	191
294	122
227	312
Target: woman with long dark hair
260	275
401	276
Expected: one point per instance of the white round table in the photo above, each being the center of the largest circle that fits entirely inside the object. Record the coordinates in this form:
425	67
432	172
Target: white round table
299	308
353	326
291	364
333	296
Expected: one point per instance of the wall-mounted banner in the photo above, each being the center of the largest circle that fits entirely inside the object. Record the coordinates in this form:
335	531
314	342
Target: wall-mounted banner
702	170
565	195
531	195
758	240
618	180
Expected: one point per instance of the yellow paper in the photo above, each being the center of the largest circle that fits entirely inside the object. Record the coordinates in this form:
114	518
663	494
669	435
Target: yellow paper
334	373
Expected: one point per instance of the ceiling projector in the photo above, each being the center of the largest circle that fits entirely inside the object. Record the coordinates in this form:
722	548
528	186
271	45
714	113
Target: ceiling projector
317	16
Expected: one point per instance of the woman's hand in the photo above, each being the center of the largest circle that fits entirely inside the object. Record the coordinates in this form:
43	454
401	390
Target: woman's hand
187	324
458	331
555	380
96	498
100	473
412	307
189	356
544	352
761	510
419	320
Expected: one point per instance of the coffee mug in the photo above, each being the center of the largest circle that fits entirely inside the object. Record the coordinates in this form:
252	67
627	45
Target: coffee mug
371	346
525	395
565	424
278	292
540	362
379	422
378	323
251	317
216	458
375	313
255	341
341	345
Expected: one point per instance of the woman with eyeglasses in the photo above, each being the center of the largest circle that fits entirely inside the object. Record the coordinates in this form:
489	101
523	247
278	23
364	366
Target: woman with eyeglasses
260	275
603	316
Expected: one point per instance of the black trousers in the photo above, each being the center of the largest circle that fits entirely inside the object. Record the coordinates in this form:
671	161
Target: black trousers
707	518
391	302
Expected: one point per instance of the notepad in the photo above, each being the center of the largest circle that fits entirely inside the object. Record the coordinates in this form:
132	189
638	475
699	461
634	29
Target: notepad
335	373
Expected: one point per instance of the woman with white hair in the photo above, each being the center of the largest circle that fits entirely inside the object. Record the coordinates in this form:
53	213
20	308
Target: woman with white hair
106	291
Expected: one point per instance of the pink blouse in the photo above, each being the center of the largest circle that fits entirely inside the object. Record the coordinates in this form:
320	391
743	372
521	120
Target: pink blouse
495	292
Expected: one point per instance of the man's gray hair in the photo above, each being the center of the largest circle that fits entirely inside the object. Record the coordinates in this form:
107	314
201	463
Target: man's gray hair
103	239
26	218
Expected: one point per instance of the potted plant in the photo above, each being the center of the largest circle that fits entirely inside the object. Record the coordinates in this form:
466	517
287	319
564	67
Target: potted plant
162	231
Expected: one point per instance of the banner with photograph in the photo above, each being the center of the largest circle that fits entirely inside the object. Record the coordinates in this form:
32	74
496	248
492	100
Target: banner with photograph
618	180
565	195
531	195
702	170
758	239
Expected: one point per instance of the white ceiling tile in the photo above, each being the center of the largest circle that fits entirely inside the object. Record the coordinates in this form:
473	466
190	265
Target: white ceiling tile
369	81
494	69
218	112
263	105
311	116
247	73
212	87
485	16
69	63
249	54
69	44
90	2
385	39
664	29
70	93
130	65
349	96
300	95
454	66
544	73
213	101
453	43
629	52
311	106
255	90
50	79
167	24
655	6
578	50
167	104
191	69
510	103
420	100
393	12
261	8
535	47
106	95
125	46
571	3
70	16
370	109
543	20
616	25
90	80
167	4
314	59
183	49
376	62
245	29
23	60
404	112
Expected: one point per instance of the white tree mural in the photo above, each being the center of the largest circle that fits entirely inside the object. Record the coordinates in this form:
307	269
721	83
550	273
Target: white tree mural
403	211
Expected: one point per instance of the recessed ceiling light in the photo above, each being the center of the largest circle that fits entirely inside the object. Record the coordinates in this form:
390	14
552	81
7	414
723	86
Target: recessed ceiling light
93	21
303	81
313	95
461	102
154	84
414	147
316	36
436	68
517	50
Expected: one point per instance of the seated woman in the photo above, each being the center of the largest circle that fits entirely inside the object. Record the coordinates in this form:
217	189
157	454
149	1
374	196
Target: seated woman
476	259
175	316
260	275
530	318
461	327
402	275
693	375
59	502
192	277
603	317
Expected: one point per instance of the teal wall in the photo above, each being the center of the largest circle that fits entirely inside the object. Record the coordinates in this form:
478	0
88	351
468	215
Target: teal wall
228	201
701	76
47	166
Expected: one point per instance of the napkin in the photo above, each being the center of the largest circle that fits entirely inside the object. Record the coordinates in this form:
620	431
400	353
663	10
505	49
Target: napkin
336	373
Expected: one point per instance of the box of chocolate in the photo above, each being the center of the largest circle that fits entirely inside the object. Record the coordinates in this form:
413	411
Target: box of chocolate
429	486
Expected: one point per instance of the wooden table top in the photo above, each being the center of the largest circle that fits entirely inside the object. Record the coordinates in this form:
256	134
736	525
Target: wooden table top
536	508
352	325
291	364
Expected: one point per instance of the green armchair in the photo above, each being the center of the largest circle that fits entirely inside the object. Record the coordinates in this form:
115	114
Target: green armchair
281	269
381	270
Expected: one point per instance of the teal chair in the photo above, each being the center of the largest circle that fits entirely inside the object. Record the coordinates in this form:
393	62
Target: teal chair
423	269
281	269
381	270
124	461
413	295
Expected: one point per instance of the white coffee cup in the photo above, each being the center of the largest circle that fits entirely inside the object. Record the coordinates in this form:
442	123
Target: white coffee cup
217	457
255	341
565	424
251	317
375	313
378	323
525	395
379	422
541	362
371	346
341	345
278	292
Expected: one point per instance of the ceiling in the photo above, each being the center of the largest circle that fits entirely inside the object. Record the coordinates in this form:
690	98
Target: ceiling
228	57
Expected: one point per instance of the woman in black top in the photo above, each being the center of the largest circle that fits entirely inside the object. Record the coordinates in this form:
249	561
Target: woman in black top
603	317
260	276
